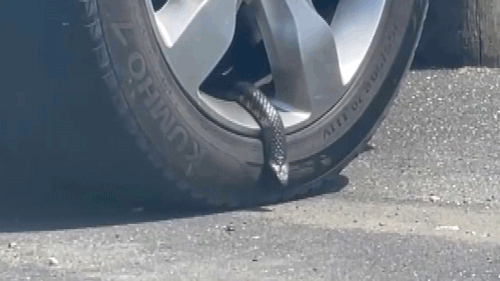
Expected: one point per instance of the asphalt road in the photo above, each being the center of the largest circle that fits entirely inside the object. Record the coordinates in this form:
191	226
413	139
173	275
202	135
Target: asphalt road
422	203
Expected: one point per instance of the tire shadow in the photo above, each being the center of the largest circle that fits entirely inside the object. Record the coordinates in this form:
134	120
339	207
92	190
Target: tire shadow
71	205
78	206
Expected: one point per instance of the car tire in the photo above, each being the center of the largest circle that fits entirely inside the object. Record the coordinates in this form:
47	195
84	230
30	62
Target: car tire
216	163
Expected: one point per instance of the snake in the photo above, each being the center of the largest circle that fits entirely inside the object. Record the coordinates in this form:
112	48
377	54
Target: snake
273	135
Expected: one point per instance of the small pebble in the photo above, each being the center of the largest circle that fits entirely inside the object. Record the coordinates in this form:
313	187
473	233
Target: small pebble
12	245
447	227
434	198
53	262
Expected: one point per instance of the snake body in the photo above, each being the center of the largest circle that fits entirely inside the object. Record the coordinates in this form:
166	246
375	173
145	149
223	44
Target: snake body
271	124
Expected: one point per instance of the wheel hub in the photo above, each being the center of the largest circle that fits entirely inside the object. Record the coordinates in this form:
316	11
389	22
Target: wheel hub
303	54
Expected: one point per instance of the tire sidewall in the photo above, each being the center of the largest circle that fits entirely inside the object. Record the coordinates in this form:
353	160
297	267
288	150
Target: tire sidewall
220	162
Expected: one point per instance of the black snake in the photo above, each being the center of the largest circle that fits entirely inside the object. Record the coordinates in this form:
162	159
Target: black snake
271	124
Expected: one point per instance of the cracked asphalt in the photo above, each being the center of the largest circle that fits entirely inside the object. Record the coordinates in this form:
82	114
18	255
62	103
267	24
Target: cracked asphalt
422	203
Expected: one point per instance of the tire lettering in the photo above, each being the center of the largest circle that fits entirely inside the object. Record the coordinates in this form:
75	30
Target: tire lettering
341	120
356	103
145	88
158	110
117	29
177	132
302	169
195	158
325	160
366	87
137	65
328	131
336	124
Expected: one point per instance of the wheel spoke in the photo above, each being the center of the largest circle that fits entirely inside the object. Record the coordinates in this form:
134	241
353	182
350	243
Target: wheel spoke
302	54
197	34
354	26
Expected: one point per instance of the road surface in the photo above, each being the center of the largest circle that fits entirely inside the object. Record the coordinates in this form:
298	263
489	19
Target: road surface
422	203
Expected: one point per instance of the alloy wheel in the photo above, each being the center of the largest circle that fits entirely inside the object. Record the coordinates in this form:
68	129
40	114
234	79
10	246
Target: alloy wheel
303	54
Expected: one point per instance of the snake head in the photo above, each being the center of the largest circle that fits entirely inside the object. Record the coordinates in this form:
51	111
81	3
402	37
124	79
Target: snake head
281	172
